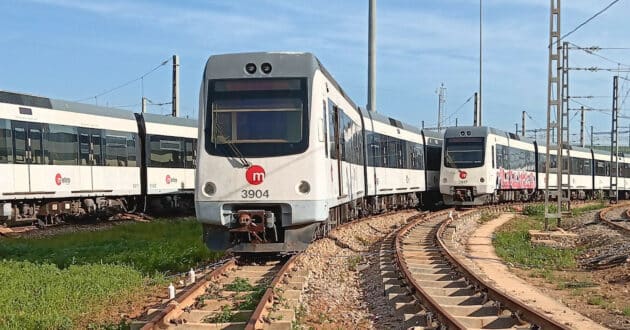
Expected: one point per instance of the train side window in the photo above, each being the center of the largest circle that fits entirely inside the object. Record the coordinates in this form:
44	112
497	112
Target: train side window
35	135
325	124
6	142
96	140
19	145
166	151
492	148
61	145
115	148
191	150
132	156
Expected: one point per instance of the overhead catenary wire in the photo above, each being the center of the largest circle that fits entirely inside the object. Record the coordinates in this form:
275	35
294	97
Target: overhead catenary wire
140	78
459	108
588	20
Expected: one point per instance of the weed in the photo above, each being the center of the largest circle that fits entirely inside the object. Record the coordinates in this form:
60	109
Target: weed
353	262
626	311
512	243
362	240
224	316
596	300
485	217
251	300
581	210
239	285
300	314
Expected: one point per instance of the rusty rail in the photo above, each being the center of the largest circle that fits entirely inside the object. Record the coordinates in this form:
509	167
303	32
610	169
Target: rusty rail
257	320
176	307
520	310
425	298
602	217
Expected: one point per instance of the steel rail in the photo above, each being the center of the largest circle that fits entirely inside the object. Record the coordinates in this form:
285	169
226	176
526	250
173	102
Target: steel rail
519	309
176	307
602	217
257	319
424	297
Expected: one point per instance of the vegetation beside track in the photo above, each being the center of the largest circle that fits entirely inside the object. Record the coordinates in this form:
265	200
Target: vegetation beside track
161	246
512	241
87	278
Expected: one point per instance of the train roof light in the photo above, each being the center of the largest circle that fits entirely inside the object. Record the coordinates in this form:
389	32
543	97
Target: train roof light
250	68
265	68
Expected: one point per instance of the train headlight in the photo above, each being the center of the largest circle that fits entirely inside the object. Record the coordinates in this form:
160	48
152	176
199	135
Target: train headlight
250	68
209	189
482	180
265	68
304	187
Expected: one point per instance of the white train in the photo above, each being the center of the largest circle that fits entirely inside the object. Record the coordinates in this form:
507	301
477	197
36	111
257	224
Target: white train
483	165
61	159
284	154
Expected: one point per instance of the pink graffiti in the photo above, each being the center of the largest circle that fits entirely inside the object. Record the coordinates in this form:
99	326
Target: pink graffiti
509	179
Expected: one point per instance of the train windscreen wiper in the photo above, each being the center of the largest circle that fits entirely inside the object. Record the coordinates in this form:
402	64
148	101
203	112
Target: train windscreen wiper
237	153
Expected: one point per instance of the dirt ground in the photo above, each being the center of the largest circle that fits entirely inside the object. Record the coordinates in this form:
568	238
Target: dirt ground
600	295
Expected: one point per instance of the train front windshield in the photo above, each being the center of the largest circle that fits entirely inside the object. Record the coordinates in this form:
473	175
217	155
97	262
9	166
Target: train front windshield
257	117
464	152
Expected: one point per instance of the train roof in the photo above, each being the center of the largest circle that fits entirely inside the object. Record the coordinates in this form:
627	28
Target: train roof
390	121
47	103
170	120
433	134
284	64
456	131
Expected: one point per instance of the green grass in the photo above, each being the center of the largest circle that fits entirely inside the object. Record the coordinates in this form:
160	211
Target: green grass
512	243
42	296
626	311
159	246
76	280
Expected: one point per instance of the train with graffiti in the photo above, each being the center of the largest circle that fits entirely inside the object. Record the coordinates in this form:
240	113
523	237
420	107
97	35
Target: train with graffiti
484	165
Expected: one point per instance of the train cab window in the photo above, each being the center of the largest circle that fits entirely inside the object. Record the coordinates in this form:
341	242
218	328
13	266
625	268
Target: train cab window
464	152
166	151
6	142
61	145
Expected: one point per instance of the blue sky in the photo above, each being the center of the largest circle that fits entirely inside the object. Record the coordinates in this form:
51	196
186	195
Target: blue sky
75	49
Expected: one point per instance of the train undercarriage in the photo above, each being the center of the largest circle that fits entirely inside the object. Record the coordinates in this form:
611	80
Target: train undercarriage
259	229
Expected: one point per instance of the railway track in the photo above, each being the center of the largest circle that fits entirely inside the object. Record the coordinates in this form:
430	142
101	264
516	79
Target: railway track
617	218
236	295
429	287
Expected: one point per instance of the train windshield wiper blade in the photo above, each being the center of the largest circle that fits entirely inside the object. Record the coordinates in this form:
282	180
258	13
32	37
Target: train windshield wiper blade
237	153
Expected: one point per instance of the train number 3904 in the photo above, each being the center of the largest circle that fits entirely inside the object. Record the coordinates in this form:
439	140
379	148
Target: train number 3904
254	193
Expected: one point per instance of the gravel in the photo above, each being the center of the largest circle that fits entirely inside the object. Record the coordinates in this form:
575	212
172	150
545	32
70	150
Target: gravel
345	289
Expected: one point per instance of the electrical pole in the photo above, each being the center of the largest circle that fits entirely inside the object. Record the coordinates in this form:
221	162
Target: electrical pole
582	127
423	124
479	109
456	121
554	105
476	111
441	100
175	101
144	104
371	106
523	124
515	128
591	136
614	146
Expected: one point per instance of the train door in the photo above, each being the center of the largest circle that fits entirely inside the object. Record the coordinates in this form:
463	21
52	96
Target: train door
27	150
90	155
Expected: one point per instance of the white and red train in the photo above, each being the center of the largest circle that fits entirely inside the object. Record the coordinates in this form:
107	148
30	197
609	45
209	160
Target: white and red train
482	165
61	159
284	154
